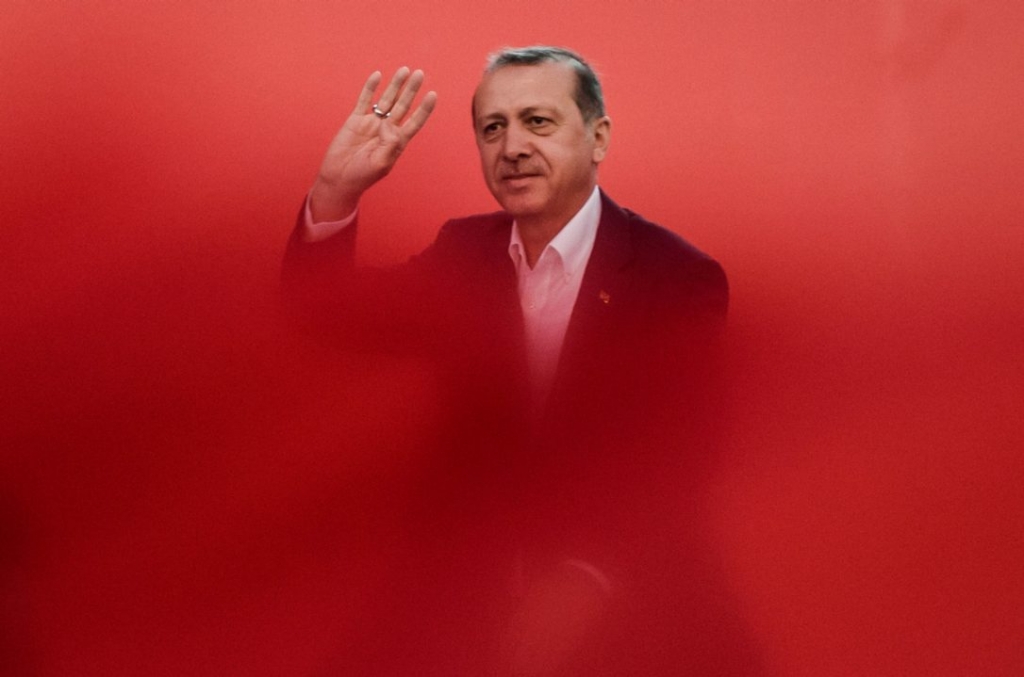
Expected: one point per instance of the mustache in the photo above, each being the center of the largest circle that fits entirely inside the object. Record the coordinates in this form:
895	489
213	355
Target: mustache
513	172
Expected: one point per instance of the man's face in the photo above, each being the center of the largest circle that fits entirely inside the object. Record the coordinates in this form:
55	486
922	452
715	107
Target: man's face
539	157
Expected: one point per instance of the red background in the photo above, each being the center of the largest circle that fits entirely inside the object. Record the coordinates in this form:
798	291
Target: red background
172	485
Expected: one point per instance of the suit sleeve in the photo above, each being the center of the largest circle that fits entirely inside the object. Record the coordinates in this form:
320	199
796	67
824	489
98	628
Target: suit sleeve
393	309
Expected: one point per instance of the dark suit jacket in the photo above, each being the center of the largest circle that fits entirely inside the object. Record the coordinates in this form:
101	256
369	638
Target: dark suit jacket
609	471
645	289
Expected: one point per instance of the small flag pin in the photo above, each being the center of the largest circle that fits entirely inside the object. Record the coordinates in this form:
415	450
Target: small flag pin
604	296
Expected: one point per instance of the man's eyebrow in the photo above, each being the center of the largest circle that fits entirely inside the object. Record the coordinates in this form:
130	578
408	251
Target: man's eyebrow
534	110
490	116
527	112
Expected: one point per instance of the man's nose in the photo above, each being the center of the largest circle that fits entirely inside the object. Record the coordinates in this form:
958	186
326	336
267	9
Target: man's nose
517	143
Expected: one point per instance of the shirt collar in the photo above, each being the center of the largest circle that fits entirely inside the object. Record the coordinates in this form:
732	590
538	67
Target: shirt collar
574	241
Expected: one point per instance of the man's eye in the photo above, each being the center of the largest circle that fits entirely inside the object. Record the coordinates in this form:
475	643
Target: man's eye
491	129
537	121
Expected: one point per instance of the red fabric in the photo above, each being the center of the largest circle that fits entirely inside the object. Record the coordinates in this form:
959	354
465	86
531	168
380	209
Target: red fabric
166	487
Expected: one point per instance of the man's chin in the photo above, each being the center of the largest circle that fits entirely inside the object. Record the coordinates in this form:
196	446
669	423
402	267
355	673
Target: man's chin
520	206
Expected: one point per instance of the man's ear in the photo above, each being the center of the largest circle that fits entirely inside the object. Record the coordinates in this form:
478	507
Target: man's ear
602	137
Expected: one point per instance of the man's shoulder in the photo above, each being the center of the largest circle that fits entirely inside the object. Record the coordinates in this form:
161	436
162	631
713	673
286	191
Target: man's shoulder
473	236
477	226
675	278
655	243
656	251
475	243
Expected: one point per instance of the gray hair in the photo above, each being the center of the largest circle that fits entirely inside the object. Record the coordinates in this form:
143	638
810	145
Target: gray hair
588	96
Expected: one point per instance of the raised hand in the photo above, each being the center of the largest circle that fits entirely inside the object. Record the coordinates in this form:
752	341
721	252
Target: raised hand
369	143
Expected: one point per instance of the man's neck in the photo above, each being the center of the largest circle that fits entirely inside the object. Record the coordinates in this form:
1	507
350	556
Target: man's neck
536	236
538	231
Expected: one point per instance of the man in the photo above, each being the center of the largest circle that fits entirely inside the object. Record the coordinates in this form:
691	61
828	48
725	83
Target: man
564	325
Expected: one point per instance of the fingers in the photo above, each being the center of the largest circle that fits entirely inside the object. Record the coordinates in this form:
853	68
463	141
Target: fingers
391	93
408	93
397	100
397	97
419	116
366	95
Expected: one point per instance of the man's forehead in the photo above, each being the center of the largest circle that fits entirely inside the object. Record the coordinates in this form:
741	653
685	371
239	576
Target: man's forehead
519	87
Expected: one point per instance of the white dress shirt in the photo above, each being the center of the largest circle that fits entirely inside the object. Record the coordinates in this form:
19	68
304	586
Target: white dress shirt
548	291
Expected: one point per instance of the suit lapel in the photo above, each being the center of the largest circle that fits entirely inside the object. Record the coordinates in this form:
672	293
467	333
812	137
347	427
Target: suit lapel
604	298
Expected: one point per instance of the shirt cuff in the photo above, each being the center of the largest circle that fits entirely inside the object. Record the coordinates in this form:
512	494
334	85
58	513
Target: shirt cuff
318	232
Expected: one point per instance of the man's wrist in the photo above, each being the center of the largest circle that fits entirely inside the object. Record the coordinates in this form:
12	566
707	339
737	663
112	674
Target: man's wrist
329	203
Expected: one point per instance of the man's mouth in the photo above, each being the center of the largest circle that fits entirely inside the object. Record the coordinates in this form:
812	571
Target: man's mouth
518	177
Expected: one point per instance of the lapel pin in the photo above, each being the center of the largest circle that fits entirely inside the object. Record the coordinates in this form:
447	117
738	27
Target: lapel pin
604	296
